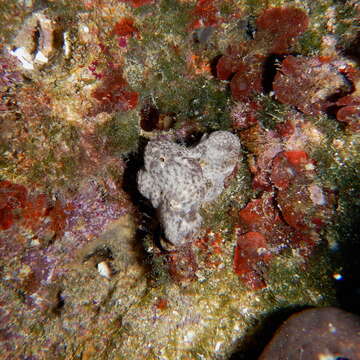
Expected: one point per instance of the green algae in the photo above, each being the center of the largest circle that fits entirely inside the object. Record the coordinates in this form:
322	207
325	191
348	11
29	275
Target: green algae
209	106
120	134
289	284
272	112
235	196
255	6
171	17
309	43
346	23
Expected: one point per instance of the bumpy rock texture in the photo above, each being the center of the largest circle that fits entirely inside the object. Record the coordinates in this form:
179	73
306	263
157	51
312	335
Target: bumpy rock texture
178	180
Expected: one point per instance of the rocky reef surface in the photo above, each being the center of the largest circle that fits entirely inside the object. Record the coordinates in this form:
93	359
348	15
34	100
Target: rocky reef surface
91	266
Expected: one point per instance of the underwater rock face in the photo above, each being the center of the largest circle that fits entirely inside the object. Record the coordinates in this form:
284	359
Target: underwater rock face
326	333
178	180
35	44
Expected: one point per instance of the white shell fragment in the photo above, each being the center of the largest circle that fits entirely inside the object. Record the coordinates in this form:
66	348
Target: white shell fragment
104	269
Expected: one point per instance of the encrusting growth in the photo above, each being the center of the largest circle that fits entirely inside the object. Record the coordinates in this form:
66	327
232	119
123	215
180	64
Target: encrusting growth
179	180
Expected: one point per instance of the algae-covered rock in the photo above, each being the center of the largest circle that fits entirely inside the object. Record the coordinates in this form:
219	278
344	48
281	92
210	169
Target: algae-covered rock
93	93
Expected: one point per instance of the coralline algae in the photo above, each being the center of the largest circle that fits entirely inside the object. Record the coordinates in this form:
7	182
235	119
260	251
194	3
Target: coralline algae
179	180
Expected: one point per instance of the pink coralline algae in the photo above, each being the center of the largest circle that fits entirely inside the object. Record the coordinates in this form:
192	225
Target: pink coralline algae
307	83
90	213
8	74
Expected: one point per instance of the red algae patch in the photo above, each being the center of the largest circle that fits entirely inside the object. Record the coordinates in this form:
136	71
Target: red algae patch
250	258
307	83
247	81
12	196
286	166
349	112
283	25
125	27
245	77
205	14
227	66
113	94
31	211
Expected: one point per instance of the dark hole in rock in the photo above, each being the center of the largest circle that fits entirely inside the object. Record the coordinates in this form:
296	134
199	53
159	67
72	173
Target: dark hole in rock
59	304
149	117
100	254
348	286
250	28
353	50
36	37
270	68
213	65
148	223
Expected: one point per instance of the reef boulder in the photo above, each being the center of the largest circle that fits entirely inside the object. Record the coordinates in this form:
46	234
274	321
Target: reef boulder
326	333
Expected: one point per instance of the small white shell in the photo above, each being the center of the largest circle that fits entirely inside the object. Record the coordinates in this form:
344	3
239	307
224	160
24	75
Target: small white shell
104	269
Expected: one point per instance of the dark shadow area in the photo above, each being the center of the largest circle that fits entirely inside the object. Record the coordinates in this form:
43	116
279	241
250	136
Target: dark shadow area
347	285
250	29
191	140
149	116
148	223
213	65
59	304
353	51
262	332
332	99
270	68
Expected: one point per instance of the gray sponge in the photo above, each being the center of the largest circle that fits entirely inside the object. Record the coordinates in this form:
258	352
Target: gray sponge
179	180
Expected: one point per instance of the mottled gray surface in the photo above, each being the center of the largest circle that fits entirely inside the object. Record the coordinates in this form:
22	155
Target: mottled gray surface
178	180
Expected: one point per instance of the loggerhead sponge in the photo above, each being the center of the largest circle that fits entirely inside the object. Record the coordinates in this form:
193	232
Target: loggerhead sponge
179	180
